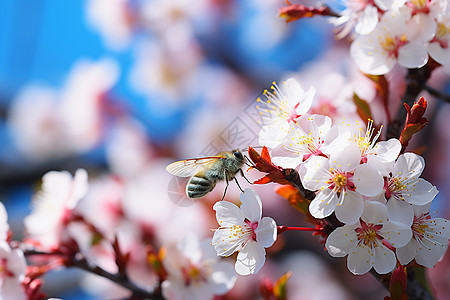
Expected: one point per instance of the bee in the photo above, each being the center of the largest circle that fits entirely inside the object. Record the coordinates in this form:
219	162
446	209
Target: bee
205	172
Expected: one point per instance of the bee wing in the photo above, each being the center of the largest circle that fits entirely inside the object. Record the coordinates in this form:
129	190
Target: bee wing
188	167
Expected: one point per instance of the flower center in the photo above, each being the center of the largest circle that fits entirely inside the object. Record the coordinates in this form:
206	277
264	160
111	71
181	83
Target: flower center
193	274
340	181
441	35
276	106
419	6
237	236
392	44
395	187
368	234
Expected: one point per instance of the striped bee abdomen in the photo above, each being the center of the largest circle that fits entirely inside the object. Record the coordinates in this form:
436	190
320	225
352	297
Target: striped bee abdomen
199	185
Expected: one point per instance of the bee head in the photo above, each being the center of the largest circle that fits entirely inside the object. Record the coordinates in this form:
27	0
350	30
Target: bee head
238	154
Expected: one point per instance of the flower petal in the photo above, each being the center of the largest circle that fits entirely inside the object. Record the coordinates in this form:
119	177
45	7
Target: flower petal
341	241
407	253
222	278
408	165
266	232
228	214
250	259
374	212
367	180
413	55
315	172
367	21
429	253
400	211
397	234
421	193
347	158
351	208
359	260
251	205
324	204
383	259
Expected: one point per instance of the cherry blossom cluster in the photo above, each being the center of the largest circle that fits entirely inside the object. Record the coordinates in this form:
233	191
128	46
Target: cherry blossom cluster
373	189
406	32
70	232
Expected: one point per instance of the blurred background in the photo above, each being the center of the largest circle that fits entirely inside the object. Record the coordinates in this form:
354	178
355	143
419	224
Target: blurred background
123	87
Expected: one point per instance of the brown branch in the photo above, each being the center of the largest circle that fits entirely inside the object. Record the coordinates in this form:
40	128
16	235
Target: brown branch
416	82
80	262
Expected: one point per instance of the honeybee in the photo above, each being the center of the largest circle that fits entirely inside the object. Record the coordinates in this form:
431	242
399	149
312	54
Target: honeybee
205	172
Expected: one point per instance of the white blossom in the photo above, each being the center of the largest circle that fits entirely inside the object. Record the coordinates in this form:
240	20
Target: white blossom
242	229
341	181
281	109
363	241
429	240
194	271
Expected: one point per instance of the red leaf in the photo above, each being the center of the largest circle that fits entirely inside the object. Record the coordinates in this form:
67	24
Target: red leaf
415	121
264	164
294	12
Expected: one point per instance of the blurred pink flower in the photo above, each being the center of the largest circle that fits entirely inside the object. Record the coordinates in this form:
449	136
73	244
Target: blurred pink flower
195	272
52	206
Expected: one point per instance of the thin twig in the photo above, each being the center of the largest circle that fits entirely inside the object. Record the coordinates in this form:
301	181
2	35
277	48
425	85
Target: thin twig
436	93
80	262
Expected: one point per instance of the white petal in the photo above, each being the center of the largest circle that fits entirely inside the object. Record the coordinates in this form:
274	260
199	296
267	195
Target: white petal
315	172
306	102
368	59
347	158
266	232
384	259
429	253
439	54
273	134
413	55
223	277
367	180
12	289
79	188
400	211
293	92
442	227
351	208
367	21
397	234
251	205
250	259
407	253
341	241
420	193
291	161
16	262
228	214
359	260
408	165
388	151
384	4
222	243
374	212
324	204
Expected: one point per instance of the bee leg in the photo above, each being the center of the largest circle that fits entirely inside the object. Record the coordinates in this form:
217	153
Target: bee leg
235	179
226	187
242	174
248	162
